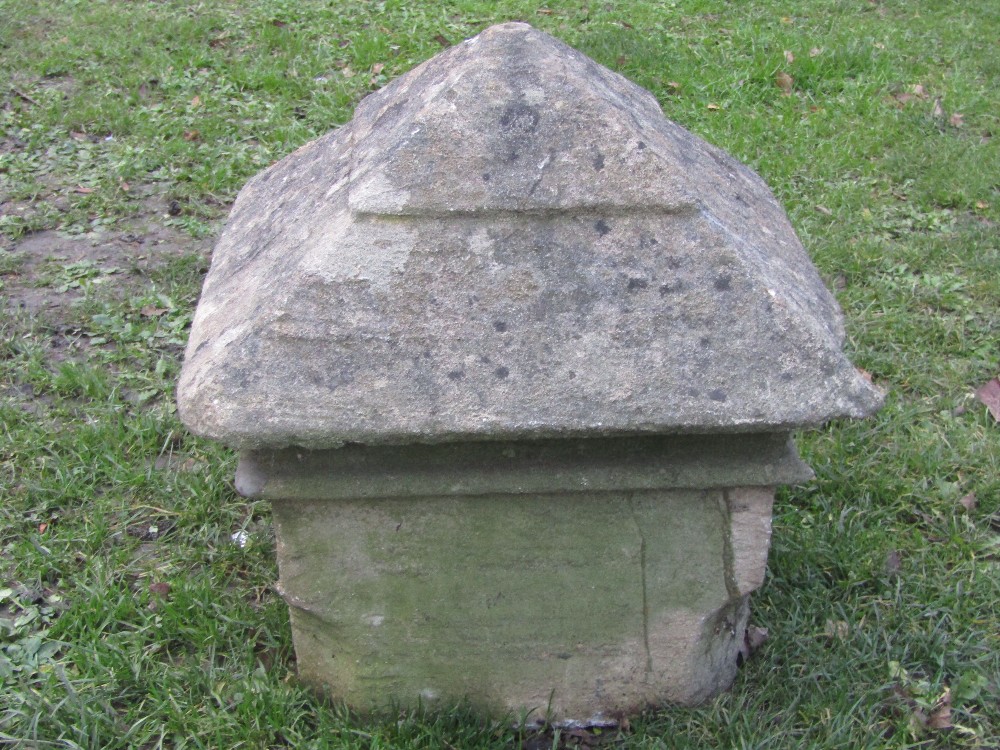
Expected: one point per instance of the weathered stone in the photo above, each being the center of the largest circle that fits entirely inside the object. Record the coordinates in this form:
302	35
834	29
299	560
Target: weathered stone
515	358
510	241
544	577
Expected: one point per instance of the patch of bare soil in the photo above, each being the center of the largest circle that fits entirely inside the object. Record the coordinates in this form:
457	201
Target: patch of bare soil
123	258
40	280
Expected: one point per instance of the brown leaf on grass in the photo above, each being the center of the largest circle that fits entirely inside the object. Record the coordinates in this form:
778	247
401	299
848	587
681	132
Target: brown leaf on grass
956	120
124	186
940	717
753	638
982	205
196	101
784	82
789	57
42	527
442	40
836	630
989	395
938	110
377	68
713	107
77	135
279	24
969	502
191	135
815	51
159	589
621	60
82	189
544	12
151	311
674	87
823	210
893	563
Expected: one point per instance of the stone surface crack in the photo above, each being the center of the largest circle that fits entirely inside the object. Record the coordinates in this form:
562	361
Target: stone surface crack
728	558
644	584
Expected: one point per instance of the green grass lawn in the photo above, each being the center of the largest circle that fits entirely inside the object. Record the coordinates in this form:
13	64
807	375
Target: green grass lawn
129	616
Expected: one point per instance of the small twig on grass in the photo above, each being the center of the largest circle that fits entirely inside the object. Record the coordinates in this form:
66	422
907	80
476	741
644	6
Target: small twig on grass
21	95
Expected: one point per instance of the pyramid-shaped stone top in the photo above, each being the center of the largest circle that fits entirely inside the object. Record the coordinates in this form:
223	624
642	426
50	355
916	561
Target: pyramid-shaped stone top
510	241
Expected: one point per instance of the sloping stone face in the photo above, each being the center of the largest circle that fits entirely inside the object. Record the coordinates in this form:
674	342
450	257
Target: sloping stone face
510	241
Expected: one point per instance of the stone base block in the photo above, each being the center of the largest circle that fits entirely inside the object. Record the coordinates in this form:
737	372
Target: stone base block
578	605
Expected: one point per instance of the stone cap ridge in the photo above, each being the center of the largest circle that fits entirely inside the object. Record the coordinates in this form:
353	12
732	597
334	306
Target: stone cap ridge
510	241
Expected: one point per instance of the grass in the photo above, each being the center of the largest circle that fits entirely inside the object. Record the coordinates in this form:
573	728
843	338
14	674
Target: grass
128	615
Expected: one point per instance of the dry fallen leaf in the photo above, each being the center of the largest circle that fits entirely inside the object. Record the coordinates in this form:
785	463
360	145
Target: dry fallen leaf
82	189
673	86
940	717
969	502
159	589
544	12
753	639
824	210
815	51
789	57
982	205
938	110
191	135
956	120
714	107
196	102
893	563
378	68
836	630
442	40
278	23
756	636
904	97
150	311
125	187
784	82
919	90
42	527
989	394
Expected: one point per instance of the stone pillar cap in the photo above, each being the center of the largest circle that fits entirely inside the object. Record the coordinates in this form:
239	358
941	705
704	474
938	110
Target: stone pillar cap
510	241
